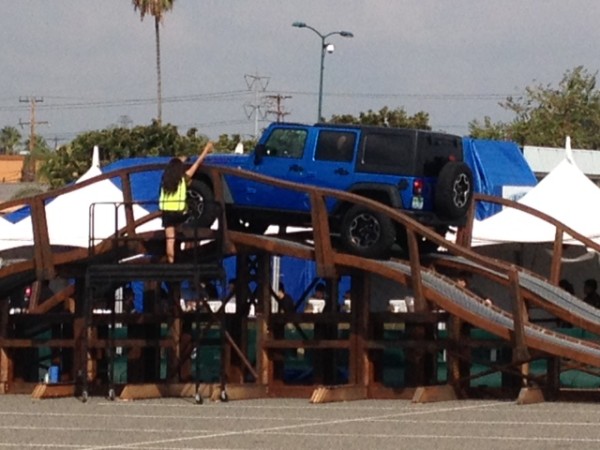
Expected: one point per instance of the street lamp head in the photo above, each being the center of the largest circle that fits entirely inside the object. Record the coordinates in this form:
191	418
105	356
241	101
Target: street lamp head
347	34
299	24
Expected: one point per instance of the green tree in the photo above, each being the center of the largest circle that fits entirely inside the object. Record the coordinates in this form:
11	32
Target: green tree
394	118
157	9
545	115
9	139
227	143
71	161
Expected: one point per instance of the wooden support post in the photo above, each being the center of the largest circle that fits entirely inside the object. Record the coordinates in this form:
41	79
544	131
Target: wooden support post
418	358
44	265
264	360
557	251
6	371
322	237
520	318
361	371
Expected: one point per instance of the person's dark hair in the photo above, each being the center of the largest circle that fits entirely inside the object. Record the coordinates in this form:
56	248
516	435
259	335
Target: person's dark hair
172	175
281	287
567	286
591	283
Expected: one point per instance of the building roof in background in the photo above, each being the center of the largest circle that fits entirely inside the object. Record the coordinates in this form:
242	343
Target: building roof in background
543	159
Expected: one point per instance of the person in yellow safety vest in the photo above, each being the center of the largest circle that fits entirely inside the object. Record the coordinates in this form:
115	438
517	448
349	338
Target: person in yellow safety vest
172	199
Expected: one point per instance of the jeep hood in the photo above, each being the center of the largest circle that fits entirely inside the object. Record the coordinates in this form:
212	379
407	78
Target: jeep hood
228	160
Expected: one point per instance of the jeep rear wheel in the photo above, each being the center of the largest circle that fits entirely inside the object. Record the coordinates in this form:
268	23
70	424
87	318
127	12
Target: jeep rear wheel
367	233
202	210
454	190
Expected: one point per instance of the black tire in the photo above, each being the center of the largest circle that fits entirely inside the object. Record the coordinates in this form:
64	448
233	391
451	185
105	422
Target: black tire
201	206
367	233
454	190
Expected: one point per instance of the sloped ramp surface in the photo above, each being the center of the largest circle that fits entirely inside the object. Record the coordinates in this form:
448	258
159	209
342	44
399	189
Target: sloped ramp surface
546	295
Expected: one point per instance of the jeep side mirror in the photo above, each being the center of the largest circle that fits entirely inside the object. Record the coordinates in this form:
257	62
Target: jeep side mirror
259	152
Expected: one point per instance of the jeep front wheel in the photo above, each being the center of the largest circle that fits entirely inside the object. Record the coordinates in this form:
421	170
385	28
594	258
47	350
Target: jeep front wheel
201	206
454	190
367	233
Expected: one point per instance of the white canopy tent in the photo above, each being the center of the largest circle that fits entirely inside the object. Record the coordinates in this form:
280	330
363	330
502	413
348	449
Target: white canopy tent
73	217
565	194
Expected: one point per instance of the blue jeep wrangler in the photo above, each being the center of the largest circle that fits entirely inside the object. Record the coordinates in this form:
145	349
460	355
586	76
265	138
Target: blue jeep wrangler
419	172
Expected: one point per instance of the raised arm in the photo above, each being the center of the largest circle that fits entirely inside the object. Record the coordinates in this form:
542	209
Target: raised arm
194	167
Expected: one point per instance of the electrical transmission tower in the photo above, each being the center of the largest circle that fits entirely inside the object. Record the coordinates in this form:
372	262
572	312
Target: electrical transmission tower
29	171
276	102
257	84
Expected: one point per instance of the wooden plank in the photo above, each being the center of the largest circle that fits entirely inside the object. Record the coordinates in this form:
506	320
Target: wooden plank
328	394
53	390
428	394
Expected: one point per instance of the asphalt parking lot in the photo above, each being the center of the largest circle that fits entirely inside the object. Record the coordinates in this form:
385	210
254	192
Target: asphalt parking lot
294	424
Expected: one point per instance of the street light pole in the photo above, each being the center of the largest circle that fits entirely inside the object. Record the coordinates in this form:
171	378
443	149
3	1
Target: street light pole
324	48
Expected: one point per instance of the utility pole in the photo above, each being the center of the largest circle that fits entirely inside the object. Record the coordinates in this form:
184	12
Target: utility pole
29	171
257	84
279	110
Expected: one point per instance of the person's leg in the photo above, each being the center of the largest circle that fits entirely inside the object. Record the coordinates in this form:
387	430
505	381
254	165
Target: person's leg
170	243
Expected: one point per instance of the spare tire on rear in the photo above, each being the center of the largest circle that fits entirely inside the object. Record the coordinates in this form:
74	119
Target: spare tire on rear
454	190
201	206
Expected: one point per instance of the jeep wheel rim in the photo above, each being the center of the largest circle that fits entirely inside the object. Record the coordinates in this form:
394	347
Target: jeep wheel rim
196	204
462	190
364	230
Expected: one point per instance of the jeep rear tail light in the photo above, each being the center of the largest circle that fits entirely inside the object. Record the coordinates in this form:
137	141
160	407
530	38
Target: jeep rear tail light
418	187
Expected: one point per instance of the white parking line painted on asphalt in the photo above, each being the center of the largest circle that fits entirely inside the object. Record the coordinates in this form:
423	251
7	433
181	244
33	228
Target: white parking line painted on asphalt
296	426
438	436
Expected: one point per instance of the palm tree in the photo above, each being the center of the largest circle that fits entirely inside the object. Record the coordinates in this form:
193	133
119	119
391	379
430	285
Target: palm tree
156	8
9	138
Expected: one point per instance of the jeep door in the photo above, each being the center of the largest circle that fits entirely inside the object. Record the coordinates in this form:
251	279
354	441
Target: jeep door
281	156
333	160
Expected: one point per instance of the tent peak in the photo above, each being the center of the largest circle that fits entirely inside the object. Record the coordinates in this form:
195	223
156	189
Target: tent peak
96	157
569	151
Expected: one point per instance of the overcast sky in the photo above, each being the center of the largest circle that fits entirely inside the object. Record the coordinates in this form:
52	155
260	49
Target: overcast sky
92	61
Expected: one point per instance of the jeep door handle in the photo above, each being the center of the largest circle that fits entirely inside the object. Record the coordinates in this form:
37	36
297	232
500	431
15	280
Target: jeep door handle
341	171
296	168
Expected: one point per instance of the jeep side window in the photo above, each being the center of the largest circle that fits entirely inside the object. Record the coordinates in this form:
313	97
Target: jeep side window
335	146
387	153
286	143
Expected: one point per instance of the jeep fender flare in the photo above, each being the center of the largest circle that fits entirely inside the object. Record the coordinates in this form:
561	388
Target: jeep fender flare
381	192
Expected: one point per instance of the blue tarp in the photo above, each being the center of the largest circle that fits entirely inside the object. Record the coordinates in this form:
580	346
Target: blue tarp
496	165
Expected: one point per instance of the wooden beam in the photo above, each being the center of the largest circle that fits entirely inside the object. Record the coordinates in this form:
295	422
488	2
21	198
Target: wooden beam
53	301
